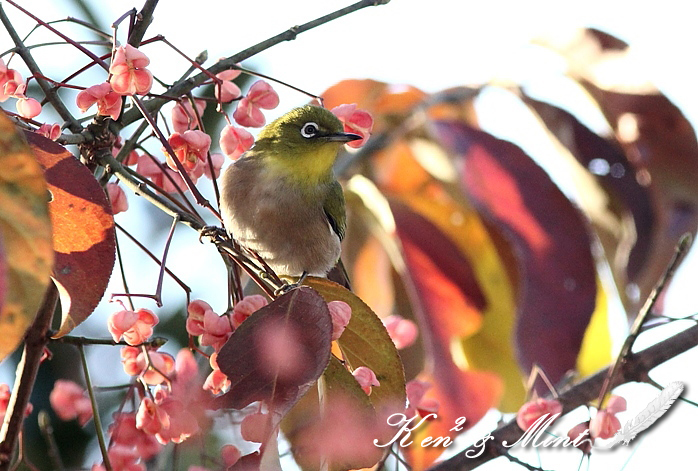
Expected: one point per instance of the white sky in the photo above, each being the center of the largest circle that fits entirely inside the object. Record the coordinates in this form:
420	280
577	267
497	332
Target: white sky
435	45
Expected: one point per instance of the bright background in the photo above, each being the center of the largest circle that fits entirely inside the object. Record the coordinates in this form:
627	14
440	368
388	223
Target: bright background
432	45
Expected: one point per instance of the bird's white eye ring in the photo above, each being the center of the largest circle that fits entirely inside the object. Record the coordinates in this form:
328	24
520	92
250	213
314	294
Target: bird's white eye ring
309	130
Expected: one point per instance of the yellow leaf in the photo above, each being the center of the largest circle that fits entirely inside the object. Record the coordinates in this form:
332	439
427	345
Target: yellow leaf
25	230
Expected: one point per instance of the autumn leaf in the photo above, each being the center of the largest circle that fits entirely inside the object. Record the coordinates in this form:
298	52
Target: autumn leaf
277	353
25	232
449	305
83	231
365	342
347	443
550	241
656	138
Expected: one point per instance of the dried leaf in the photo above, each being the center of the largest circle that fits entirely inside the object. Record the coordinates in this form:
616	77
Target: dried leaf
25	231
83	231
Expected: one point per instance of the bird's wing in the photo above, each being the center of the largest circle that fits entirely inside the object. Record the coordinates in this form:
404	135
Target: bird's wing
334	209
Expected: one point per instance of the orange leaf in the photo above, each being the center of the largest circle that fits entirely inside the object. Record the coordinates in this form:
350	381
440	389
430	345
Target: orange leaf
83	231
25	233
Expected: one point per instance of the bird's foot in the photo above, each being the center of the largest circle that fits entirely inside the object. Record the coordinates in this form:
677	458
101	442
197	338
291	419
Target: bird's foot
291	286
214	233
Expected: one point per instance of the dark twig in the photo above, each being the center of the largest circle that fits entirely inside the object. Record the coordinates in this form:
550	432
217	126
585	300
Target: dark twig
28	59
635	368
186	86
681	249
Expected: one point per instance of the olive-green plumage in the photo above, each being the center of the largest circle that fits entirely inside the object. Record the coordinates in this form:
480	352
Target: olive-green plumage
281	198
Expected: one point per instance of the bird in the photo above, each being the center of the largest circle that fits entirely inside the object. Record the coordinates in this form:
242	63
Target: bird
281	198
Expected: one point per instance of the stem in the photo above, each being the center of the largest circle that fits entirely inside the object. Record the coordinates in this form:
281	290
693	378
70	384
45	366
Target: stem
635	368
95	409
155	342
28	59
184	87
47	431
34	344
176	279
681	248
161	275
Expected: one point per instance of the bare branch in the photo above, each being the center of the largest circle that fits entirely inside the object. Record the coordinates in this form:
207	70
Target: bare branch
635	368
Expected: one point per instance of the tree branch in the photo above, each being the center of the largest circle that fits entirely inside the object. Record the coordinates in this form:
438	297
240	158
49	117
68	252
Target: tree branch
635	368
186	86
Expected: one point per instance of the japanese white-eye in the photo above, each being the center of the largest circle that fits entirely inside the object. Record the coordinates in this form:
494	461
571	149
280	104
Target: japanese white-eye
281	198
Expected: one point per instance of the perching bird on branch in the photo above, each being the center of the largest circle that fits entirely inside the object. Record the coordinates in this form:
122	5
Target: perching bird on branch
281	198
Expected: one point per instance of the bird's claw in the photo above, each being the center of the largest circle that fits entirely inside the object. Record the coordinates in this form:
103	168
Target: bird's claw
291	286
212	232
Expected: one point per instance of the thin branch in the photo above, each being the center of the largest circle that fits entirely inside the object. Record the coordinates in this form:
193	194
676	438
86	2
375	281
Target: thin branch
154	342
681	249
186	86
33	67
95	409
161	275
635	368
152	256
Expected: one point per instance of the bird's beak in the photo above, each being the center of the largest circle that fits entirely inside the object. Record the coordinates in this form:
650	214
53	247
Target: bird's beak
341	137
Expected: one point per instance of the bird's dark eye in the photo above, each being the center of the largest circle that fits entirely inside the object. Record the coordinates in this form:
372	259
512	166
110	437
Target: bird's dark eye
309	130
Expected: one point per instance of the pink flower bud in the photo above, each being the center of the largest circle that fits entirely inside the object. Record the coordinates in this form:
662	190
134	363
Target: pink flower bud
604	424
235	141
117	197
28	107
355	121
256	427
247	306
129	75
230	454
366	378
340	312
533	410
403	332
70	401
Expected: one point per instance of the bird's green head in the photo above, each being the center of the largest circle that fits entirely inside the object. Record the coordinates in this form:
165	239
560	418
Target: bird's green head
302	145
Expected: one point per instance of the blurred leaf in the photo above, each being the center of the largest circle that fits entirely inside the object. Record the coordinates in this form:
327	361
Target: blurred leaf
300	426
656	137
449	307
448	291
549	236
25	232
662	145
626	248
83	231
490	347
381	99
596	351
365	342
277	353
3	273
373	283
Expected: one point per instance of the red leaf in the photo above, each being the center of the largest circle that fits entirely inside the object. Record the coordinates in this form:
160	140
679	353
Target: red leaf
83	231
445	283
558	291
449	305
278	352
620	181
